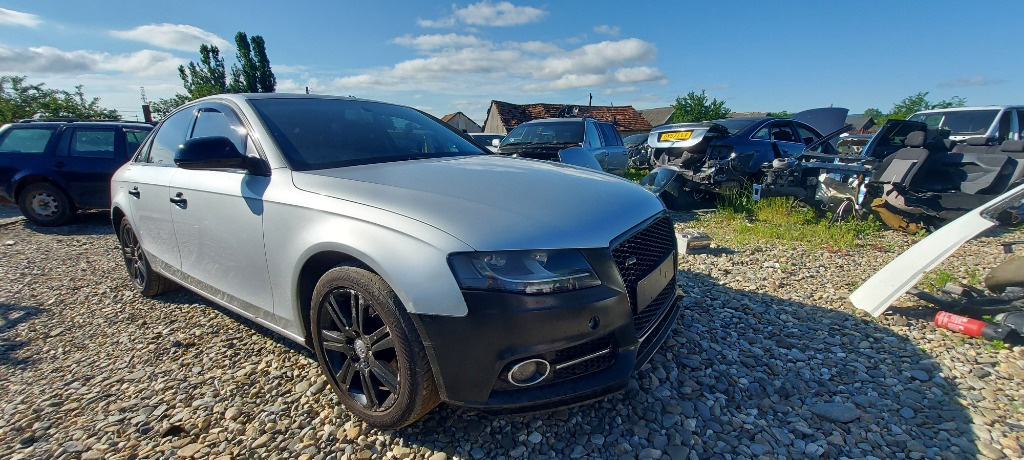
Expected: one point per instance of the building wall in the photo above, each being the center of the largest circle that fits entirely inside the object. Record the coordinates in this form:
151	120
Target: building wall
493	122
463	123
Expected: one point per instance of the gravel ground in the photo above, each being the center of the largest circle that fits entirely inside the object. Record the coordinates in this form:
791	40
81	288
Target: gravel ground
768	360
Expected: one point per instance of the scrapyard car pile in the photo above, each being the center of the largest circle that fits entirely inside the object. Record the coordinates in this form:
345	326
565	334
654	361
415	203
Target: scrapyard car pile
386	241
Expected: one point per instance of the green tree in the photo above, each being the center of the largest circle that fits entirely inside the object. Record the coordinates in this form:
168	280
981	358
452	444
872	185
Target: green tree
696	107
252	74
918	102
243	74
207	77
266	80
163	107
20	99
780	114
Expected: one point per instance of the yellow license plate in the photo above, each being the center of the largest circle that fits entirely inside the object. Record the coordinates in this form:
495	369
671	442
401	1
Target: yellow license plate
675	136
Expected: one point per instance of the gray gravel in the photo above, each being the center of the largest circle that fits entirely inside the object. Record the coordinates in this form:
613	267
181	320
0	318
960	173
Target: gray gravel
768	360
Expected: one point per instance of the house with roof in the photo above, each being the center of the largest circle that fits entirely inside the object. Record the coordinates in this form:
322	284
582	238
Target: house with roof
861	124
658	116
503	117
461	122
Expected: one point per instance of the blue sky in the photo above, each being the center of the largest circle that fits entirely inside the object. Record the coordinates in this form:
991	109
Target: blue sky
447	57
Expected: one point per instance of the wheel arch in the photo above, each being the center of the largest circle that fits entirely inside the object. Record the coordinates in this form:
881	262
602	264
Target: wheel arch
314	268
35	178
116	215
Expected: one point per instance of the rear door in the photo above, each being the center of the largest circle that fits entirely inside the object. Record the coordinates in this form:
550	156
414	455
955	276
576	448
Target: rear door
786	136
86	158
218	221
618	154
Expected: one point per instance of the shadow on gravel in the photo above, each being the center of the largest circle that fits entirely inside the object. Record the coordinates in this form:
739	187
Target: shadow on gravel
745	374
12	316
85	223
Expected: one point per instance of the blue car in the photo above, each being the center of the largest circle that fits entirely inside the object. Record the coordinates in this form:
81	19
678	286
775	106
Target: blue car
51	169
695	160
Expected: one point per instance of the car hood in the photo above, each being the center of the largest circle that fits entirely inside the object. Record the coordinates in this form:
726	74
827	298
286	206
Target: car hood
493	202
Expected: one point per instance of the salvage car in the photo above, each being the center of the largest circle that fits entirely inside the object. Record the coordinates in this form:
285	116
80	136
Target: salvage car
581	141
695	159
998	122
53	168
387	242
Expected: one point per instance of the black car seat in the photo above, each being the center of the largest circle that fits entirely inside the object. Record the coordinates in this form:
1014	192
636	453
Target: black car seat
903	165
782	135
977	144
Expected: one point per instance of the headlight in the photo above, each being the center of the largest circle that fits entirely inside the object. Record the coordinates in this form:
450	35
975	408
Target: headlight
530	272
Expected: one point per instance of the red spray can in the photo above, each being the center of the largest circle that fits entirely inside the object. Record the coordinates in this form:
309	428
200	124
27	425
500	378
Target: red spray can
970	326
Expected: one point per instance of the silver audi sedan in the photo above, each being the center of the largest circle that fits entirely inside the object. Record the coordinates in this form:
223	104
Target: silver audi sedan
417	268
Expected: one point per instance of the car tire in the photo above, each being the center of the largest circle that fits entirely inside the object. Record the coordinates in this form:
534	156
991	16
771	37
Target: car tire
143	277
46	204
369	349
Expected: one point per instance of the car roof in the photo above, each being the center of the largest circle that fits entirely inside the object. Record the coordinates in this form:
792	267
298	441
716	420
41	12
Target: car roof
976	107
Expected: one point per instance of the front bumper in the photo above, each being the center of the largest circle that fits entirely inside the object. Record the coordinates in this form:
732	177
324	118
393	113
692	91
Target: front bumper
592	338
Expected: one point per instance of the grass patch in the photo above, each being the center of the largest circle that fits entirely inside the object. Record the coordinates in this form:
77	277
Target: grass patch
787	220
934	280
635	174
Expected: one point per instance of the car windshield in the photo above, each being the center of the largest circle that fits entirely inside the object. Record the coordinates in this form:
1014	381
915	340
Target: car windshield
959	121
315	133
549	132
734	125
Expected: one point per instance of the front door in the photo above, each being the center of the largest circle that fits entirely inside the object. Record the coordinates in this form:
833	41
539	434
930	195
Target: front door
218	222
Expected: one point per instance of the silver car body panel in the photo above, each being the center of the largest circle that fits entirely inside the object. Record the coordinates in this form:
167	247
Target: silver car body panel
894	279
698	132
401	219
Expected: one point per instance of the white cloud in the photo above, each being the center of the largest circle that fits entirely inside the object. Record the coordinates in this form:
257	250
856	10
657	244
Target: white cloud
173	36
435	41
637	75
498	14
485	13
976	80
536	47
571	81
17	18
597	58
607	29
49	60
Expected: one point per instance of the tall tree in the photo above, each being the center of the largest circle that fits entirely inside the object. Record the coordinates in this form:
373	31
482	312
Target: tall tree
696	107
207	77
918	102
243	74
266	80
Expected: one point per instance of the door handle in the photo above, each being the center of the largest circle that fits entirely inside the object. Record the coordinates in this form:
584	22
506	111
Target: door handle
135	192
179	199
59	164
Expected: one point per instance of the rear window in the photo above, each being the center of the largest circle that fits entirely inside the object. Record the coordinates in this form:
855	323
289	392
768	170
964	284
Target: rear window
735	125
610	134
959	121
26	140
331	133
548	132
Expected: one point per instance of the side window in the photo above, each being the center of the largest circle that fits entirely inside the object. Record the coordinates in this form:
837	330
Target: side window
761	134
1003	130
593	137
806	135
611	135
170	136
212	122
133	139
1020	124
28	140
92	143
783	132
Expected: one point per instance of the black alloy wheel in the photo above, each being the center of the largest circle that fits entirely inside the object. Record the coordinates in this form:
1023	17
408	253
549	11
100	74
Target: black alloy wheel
369	349
147	281
359	348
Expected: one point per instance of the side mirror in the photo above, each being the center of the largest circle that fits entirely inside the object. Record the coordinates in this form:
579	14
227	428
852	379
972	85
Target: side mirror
215	152
495	142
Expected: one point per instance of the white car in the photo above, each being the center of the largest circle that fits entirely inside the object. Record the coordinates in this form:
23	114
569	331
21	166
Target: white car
417	268
997	122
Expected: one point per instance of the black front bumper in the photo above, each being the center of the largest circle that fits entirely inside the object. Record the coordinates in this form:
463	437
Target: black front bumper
591	333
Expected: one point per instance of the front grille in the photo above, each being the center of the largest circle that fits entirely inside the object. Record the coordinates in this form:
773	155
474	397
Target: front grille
649	247
644	320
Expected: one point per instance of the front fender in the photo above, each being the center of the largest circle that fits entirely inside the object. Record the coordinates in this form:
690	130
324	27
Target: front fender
31	174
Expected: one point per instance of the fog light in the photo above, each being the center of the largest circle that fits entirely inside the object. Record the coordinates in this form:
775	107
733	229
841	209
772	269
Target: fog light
529	372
